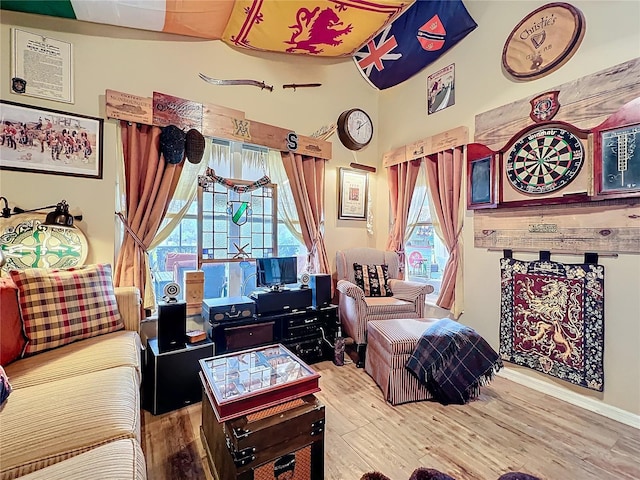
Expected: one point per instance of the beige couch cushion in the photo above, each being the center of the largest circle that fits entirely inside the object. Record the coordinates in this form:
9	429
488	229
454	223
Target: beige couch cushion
115	349
45	424
119	460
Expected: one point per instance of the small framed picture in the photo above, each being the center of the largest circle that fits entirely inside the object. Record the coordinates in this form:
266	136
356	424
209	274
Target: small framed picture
39	140
352	194
617	162
481	177
441	92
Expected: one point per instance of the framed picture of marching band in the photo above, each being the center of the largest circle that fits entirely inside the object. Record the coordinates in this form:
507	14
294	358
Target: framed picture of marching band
35	139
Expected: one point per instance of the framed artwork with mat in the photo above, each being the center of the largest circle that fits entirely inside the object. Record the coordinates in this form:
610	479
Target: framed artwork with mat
40	140
552	319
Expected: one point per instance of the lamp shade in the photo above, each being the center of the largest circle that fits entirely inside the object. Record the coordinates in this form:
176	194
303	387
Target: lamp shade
60	217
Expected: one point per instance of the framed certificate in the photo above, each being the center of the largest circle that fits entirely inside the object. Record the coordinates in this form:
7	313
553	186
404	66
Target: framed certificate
41	67
352	194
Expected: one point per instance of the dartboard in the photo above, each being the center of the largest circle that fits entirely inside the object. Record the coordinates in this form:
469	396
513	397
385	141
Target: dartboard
544	161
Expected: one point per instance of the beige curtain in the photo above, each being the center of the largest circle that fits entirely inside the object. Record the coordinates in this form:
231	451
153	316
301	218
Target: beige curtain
286	204
307	179
445	177
419	202
183	197
149	186
401	179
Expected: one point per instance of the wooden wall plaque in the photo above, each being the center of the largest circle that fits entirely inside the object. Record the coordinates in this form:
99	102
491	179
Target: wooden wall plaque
543	41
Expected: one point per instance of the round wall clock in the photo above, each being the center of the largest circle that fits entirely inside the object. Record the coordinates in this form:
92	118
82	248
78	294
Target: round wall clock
544	161
355	129
543	41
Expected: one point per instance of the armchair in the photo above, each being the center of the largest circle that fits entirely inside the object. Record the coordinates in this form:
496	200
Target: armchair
356	309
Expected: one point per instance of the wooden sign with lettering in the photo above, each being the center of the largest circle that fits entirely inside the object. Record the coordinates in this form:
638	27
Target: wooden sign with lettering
132	108
170	110
543	41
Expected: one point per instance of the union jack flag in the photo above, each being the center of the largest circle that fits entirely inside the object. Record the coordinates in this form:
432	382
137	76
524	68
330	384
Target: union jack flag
417	38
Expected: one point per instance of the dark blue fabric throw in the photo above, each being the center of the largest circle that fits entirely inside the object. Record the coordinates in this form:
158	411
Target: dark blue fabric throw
453	362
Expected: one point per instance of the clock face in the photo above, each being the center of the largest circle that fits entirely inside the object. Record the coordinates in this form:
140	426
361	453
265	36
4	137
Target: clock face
355	129
359	126
544	161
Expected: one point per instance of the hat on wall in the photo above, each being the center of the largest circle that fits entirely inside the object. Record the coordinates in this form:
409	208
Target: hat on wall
172	143
194	147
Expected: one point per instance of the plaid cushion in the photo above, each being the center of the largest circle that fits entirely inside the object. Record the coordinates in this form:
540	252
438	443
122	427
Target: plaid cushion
373	280
62	306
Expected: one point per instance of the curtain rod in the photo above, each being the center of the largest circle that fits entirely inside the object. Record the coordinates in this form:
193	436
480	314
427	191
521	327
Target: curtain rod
533	250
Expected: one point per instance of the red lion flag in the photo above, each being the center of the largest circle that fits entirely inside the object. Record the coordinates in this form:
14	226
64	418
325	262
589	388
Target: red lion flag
417	38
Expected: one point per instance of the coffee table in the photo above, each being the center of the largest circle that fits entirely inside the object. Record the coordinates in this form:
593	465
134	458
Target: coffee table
254	379
259	414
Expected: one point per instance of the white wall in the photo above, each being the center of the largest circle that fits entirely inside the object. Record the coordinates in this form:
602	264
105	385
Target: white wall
612	37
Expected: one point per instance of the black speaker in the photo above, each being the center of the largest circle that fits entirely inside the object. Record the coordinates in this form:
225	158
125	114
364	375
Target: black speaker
172	325
320	284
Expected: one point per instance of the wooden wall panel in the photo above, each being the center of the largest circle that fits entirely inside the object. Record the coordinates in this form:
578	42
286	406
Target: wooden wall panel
610	226
585	103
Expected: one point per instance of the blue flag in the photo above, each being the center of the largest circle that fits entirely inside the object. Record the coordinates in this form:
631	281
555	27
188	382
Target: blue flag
418	37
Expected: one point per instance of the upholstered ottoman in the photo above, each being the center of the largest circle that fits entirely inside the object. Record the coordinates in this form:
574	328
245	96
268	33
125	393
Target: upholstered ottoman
389	344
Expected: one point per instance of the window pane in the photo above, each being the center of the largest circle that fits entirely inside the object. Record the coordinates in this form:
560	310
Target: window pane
425	257
189	232
219	234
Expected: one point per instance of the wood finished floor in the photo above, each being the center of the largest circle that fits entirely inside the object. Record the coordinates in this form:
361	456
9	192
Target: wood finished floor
510	427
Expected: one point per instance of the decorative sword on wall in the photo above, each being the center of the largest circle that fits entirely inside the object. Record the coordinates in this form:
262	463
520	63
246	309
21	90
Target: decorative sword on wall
255	83
300	85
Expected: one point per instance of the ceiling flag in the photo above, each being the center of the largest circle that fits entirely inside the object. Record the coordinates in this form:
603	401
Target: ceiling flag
417	38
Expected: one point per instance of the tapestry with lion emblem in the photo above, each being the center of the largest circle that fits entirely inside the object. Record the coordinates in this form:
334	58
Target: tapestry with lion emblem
552	319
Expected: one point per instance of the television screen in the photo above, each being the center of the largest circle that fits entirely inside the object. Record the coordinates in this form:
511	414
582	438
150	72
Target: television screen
276	271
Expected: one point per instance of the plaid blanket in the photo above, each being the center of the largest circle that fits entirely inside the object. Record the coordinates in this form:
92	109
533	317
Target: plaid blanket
453	362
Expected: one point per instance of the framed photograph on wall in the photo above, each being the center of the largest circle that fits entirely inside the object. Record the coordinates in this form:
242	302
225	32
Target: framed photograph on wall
352	194
481	177
39	140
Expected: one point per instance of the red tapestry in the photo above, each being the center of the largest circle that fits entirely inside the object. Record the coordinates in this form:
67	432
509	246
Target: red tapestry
552	319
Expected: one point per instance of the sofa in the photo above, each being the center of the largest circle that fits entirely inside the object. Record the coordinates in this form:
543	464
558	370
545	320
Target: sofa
74	406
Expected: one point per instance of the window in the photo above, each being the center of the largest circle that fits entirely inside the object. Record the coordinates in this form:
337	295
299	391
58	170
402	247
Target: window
425	254
178	253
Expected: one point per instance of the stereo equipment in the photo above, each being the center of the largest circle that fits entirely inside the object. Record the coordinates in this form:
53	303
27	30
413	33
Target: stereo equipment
172	325
284	301
320	284
171	291
227	308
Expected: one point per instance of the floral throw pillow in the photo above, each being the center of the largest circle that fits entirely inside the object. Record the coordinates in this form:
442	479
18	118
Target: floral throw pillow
373	280
60	306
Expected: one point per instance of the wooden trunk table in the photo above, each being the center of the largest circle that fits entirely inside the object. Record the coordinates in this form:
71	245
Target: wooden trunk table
283	440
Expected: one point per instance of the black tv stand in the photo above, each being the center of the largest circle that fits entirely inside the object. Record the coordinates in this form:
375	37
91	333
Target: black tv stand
301	331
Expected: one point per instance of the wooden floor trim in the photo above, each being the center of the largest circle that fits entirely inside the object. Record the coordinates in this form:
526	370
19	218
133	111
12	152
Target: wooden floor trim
574	398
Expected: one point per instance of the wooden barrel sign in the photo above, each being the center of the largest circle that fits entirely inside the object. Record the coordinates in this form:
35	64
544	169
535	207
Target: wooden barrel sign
543	41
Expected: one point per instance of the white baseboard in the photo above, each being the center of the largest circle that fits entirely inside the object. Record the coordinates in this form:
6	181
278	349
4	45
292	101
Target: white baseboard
573	398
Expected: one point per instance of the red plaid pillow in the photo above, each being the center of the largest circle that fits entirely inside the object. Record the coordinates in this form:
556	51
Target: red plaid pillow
62	306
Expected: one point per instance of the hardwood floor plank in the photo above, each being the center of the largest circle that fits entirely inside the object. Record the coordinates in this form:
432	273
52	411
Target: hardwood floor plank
508	428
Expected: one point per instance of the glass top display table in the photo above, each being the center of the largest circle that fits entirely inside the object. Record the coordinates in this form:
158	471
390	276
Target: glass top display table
251	380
